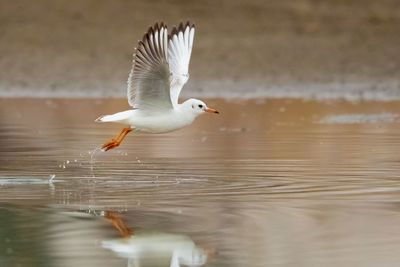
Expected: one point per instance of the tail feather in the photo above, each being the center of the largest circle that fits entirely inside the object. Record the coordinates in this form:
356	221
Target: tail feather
99	119
105	118
117	117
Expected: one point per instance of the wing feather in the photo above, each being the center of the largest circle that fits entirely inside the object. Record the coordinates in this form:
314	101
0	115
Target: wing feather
179	51
160	67
149	78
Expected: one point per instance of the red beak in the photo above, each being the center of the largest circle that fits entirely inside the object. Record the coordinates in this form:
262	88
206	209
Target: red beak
211	110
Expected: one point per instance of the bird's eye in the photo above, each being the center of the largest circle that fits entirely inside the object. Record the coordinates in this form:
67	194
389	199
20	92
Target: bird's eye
200	106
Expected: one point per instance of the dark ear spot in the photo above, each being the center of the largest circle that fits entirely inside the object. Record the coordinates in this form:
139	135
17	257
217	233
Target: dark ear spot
192	106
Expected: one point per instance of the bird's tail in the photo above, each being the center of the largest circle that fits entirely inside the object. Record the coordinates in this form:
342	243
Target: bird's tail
100	119
117	117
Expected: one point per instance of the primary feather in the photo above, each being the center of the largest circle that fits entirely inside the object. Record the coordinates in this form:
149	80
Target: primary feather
179	51
148	83
160	67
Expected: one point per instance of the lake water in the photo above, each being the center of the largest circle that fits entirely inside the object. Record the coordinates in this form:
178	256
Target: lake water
265	183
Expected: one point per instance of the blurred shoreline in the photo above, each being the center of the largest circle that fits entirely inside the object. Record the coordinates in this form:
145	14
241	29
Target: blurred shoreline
361	91
305	49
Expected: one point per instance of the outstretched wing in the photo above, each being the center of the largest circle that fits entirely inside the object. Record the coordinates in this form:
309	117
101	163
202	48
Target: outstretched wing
179	51
149	79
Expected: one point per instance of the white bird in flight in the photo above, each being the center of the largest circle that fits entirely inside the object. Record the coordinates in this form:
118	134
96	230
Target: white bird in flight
160	69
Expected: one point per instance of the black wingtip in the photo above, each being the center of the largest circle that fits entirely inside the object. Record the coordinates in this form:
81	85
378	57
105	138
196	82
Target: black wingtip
181	28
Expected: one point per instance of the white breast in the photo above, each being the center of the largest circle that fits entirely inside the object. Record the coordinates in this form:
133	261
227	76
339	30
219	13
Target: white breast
160	122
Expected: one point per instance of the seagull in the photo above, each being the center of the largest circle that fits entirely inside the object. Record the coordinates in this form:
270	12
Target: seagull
159	71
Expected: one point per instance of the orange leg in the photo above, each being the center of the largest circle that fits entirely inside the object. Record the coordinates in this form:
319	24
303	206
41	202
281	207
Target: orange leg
117	140
118	223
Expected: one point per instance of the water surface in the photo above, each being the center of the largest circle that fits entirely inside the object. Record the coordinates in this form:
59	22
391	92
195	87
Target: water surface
266	183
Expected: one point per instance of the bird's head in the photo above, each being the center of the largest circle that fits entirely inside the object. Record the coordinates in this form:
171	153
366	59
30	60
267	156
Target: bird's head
198	107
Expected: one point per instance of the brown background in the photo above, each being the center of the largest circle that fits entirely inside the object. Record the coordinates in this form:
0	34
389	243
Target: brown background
303	48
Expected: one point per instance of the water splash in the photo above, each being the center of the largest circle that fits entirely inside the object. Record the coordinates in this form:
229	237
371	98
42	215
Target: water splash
93	153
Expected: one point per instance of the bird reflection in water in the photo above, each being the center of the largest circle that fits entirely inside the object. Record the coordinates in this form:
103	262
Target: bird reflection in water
154	249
